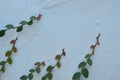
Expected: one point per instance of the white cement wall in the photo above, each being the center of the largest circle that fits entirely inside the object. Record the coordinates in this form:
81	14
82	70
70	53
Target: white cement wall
69	24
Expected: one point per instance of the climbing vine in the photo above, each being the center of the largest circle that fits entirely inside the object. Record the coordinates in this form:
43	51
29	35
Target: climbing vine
88	61
22	24
8	54
37	69
49	75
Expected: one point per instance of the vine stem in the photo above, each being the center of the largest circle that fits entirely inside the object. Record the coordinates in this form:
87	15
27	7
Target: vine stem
94	46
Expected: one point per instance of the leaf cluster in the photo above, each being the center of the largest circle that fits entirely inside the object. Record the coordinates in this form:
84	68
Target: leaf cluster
82	66
49	74
37	69
8	54
22	24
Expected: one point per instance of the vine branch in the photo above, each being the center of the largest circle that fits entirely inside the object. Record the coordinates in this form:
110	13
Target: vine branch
94	46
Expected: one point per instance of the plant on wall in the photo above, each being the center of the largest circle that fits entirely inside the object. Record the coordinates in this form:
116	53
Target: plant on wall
88	61
37	69
49	75
22	24
8	54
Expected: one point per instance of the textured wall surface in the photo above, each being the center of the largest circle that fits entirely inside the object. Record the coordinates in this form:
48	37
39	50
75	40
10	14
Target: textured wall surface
69	24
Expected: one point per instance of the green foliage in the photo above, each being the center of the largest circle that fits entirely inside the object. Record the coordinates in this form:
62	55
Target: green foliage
58	64
30	76
89	61
38	70
8	55
30	22
9	26
23	23
19	29
24	77
32	70
58	57
2	33
49	76
9	60
85	72
82	64
49	68
88	56
33	18
76	76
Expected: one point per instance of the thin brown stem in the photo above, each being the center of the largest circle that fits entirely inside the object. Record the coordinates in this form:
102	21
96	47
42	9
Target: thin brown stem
94	46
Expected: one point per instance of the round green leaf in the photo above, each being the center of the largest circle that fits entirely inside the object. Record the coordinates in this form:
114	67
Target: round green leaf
30	22
14	49
76	76
9	26
33	18
88	56
58	65
37	64
2	63
58	57
32	70
49	76
2	33
44	78
3	69
24	77
85	72
8	53
30	76
20	28
82	64
23	22
49	68
89	61
9	60
38	70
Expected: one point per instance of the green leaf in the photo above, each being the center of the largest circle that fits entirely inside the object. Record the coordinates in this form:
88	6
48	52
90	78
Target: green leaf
8	53
38	70
49	68
14	49
19	29
23	22
43	63
88	56
2	63
9	60
30	76
32	70
3	69
57	57
82	64
44	78
49	76
85	72
37	64
58	65
76	76
89	61
2	33
24	77
30	22
33	18
9	26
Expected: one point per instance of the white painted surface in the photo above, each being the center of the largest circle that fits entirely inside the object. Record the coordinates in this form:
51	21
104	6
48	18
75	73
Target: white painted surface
69	24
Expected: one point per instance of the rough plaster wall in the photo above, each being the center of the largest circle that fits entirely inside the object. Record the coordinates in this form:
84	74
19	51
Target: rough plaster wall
69	24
